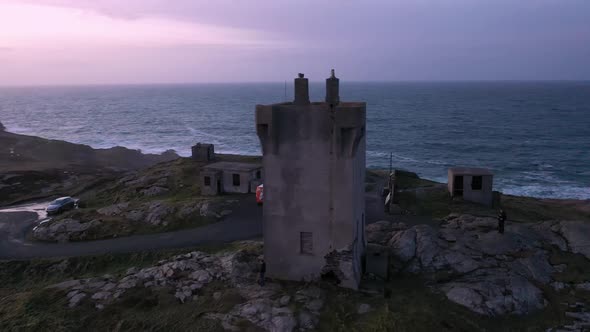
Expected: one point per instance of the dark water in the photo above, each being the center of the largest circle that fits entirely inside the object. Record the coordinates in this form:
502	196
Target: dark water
534	136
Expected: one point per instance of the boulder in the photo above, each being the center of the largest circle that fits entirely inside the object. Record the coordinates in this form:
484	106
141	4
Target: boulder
66	284
101	296
154	191
113	210
157	212
76	299
380	232
201	276
495	292
547	235
403	244
534	267
64	230
576	234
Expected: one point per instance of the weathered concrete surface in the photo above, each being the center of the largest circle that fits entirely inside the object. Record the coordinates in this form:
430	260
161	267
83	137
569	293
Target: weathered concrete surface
314	169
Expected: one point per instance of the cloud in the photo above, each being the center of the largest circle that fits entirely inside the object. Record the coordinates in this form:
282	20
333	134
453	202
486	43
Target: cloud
261	40
44	26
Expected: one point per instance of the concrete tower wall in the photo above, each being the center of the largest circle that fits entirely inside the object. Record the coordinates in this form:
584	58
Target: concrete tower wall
314	168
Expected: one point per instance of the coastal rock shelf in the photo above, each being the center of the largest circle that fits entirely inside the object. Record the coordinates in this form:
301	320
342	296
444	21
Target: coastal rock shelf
481	269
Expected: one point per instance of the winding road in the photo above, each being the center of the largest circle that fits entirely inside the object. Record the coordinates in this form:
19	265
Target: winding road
243	224
16	222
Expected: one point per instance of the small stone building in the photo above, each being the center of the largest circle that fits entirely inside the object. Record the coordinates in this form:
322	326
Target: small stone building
230	177
203	152
471	184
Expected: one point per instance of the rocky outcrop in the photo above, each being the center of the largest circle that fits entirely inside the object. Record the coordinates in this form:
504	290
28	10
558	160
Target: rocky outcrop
475	266
270	308
113	210
576	235
206	208
154	191
65	230
157	212
2	128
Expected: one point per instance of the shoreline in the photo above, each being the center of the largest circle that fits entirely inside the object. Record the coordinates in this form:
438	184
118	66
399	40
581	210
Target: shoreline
148	152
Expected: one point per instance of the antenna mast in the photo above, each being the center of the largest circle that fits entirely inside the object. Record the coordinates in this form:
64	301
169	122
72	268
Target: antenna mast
390	162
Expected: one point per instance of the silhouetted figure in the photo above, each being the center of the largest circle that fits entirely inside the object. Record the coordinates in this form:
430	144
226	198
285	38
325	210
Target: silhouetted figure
501	221
262	272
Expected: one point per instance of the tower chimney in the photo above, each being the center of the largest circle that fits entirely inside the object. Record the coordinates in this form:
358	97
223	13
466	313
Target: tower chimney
332	89
301	90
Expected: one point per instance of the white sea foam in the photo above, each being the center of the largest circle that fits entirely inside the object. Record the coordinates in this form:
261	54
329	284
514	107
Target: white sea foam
417	127
548	191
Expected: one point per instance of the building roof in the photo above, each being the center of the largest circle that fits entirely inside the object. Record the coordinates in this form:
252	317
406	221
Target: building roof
205	145
470	171
232	166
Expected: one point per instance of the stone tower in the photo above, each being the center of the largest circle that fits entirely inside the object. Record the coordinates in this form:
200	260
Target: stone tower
314	171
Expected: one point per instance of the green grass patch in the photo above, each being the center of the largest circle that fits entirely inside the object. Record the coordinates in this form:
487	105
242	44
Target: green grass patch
536	209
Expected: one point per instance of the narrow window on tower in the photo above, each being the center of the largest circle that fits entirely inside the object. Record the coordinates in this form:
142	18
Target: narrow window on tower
236	179
306	243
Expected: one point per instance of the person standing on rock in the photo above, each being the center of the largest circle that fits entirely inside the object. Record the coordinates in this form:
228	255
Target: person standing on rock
262	272
501	221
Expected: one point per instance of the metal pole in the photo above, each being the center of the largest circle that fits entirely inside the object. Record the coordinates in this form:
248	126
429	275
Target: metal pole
390	162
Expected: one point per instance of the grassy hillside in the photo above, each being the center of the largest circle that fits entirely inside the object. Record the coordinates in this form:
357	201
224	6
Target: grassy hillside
23	153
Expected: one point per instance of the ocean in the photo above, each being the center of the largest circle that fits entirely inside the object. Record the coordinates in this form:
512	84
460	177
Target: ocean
534	136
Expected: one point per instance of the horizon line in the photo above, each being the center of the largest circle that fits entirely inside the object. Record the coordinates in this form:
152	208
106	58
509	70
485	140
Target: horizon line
311	81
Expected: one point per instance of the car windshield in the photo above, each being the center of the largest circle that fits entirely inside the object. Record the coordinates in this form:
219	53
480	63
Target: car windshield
60	201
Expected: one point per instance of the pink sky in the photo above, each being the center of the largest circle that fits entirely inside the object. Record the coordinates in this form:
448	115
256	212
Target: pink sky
160	41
